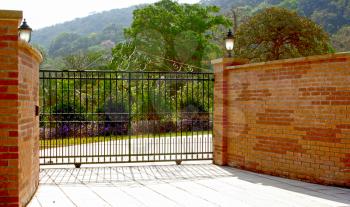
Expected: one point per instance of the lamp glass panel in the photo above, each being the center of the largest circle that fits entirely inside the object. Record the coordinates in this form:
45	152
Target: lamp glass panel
25	35
229	44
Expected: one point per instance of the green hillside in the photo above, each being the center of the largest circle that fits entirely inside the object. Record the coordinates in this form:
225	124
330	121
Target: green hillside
332	15
101	31
95	28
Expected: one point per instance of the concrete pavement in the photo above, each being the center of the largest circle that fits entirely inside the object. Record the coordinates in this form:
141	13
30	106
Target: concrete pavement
190	184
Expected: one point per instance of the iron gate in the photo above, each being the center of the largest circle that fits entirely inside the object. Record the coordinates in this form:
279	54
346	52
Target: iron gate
115	117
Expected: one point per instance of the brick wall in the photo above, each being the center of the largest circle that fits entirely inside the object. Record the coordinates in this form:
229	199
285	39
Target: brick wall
28	145
19	162
288	118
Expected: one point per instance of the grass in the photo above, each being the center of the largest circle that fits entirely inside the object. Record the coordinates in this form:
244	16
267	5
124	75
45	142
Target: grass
68	141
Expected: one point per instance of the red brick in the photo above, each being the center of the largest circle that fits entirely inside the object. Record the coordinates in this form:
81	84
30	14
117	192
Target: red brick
8	156
17	101
3	29
9	199
13	75
8	82
13	133
8	66
3	44
8	185
8	126
9	37
8	96
8	178
8	149
8	52
285	118
3	89
4	193
13	163
3	163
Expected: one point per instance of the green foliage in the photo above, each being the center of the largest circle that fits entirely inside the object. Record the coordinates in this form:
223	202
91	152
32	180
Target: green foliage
81	60
277	33
91	60
195	97
103	30
152	103
107	25
70	43
114	117
62	44
332	15
98	32
168	35
289	4
230	3
341	40
126	57
68	112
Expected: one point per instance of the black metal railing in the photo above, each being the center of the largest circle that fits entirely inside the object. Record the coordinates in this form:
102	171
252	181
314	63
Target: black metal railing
112	117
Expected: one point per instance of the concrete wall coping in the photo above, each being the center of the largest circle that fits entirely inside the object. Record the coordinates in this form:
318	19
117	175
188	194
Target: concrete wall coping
11	14
231	61
308	59
31	50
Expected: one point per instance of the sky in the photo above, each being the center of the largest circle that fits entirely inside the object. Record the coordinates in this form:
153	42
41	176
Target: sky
42	13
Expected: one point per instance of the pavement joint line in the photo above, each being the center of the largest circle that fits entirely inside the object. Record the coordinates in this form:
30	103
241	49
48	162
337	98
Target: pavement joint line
92	190
169	183
143	185
285	181
291	184
154	178
128	194
59	187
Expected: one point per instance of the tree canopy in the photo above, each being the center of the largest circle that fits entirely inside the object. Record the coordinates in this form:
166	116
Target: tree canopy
277	33
341	40
331	14
101	31
169	36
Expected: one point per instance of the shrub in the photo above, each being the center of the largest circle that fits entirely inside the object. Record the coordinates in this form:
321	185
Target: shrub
194	117
113	118
67	117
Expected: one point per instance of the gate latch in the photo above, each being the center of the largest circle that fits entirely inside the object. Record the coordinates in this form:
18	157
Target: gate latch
36	110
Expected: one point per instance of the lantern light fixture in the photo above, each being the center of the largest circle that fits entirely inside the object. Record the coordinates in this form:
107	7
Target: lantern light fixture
25	32
229	43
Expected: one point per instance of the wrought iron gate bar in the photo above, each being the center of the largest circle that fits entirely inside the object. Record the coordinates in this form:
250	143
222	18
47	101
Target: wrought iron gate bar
126	72
123	116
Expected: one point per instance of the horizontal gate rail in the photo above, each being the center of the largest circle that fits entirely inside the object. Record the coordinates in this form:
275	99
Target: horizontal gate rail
121	116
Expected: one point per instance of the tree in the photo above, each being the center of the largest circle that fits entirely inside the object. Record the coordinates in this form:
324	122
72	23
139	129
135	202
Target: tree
86	60
126	57
327	19
341	40
62	44
168	36
277	33
239	15
331	14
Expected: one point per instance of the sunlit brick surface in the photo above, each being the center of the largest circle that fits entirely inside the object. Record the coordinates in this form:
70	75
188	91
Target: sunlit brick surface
19	161
288	118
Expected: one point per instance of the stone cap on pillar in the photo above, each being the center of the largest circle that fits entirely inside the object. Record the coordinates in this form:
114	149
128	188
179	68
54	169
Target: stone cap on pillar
11	15
223	63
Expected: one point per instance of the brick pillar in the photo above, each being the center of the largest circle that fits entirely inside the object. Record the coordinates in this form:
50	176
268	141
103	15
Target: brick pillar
19	125
220	103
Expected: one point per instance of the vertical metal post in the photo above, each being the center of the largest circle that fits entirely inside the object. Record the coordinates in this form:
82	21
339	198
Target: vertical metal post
129	123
